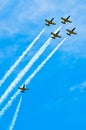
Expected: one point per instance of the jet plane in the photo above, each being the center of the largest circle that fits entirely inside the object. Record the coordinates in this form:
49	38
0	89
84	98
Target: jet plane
69	32
22	89
65	20
55	35
48	22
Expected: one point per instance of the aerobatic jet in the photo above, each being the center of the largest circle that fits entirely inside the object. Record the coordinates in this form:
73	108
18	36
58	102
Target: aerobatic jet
65	20
55	35
23	89
49	22
69	32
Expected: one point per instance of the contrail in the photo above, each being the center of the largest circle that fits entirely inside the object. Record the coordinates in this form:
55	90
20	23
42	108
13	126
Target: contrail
15	115
44	62
26	68
9	103
20	58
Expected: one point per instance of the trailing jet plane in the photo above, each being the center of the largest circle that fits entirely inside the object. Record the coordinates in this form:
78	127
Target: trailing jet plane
22	89
48	22
65	20
55	35
69	32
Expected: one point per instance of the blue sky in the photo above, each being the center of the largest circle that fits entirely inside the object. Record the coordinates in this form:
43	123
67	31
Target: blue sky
57	95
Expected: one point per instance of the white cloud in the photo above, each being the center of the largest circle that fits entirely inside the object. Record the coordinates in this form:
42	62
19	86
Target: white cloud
26	14
80	86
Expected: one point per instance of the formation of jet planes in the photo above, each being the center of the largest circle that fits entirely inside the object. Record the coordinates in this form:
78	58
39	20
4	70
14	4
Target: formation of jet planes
23	89
55	35
48	22
64	21
69	32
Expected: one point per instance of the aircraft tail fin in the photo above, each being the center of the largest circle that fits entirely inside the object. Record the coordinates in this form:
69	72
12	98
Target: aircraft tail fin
68	34
47	24
63	22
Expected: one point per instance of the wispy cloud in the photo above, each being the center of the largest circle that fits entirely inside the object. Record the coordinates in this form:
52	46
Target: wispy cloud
20	16
80	86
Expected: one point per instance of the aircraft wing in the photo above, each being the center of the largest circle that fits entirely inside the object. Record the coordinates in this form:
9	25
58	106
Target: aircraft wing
21	89
57	33
74	33
24	86
59	36
53	23
68	17
73	29
69	21
52	19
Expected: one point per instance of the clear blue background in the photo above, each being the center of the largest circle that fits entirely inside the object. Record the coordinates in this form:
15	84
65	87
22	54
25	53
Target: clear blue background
57	96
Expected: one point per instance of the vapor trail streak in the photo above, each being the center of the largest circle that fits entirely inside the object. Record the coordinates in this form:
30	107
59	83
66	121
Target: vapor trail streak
20	58
15	115
9	103
26	68
44	62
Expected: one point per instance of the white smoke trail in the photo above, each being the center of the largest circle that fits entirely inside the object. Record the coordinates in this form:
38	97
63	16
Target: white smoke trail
44	62
15	115
26	68
9	103
20	58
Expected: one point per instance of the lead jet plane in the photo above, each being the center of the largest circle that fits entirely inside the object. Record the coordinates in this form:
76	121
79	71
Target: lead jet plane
55	35
65	20
23	89
48	22
69	32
